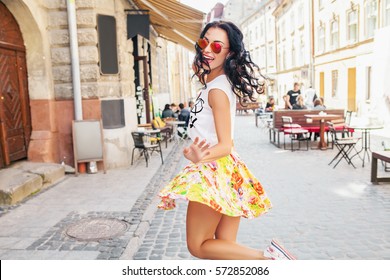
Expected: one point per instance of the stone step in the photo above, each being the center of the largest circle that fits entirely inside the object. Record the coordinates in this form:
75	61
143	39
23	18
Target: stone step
26	178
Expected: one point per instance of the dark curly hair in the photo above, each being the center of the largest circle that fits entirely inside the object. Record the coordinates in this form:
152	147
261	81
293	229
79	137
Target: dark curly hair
243	74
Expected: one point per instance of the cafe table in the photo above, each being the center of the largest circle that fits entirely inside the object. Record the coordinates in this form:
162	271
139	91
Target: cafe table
175	124
366	138
321	118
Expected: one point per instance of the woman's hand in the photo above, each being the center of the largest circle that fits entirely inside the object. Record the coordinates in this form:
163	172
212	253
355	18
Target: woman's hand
197	150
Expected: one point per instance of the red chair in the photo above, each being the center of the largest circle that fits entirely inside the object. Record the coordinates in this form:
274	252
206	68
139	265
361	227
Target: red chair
295	132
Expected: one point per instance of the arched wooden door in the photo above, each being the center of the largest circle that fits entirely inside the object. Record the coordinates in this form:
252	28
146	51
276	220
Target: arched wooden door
15	119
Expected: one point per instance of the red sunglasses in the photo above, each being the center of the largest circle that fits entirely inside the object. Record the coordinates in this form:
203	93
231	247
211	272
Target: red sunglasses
216	47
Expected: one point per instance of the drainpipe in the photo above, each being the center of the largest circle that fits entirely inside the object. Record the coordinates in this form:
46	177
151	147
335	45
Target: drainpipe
74	53
311	24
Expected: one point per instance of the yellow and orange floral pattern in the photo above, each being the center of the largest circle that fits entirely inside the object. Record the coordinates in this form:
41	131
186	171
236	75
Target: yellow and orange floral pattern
226	185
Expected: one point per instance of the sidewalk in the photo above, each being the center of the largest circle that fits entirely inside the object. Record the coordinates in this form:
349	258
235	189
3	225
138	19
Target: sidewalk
318	212
119	201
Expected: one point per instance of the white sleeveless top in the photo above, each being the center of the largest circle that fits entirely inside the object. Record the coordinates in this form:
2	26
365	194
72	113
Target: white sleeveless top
201	122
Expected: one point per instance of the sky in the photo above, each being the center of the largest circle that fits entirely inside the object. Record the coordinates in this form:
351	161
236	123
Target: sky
202	5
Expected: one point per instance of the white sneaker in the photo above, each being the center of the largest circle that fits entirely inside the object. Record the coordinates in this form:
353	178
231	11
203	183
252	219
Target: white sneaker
276	251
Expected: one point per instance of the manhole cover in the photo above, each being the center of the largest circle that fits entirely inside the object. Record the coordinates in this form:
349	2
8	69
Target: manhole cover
96	229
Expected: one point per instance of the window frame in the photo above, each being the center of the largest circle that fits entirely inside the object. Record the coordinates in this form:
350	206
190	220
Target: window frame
334	35
385	10
335	77
366	19
354	9
321	31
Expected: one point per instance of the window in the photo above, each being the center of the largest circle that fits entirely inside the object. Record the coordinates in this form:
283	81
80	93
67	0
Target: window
320	4
283	30
352	32
368	90
334	83
270	55
284	58
386	13
301	15
371	11
293	54
321	38
334	34
302	51
270	24
262	31
107	45
262	55
292	22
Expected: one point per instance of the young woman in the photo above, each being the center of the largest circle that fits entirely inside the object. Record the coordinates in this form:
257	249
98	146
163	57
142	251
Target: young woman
218	185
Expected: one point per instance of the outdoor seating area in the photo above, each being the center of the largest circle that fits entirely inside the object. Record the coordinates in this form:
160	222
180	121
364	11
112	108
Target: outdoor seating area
146	142
149	136
385	158
326	130
345	146
295	133
246	107
303	119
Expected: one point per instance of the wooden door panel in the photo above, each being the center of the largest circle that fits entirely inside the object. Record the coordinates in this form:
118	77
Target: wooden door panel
11	113
15	117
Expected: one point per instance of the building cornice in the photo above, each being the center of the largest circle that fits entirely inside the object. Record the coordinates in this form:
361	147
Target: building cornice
345	48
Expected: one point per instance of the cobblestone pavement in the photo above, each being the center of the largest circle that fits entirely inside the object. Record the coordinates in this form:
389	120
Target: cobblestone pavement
318	212
36	228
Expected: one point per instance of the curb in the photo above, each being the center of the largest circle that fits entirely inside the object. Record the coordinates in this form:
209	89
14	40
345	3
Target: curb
147	213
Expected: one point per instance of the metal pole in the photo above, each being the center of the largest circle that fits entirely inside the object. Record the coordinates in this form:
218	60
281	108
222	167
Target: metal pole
74	52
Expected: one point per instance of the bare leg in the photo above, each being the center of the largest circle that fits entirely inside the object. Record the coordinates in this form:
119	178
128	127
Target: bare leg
203	223
227	228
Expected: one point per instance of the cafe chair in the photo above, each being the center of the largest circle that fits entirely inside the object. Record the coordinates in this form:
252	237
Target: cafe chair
144	145
341	126
165	130
344	145
295	132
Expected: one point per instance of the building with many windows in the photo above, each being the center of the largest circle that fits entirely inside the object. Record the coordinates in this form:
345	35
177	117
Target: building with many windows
237	10
293	45
347	54
115	60
259	39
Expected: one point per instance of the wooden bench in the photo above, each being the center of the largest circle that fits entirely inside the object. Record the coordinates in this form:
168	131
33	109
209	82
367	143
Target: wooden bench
298	117
247	106
384	156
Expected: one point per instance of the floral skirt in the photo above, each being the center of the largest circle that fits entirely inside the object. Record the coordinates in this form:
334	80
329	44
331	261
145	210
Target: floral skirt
226	185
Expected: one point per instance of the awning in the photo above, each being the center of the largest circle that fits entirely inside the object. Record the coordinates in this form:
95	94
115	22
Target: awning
174	21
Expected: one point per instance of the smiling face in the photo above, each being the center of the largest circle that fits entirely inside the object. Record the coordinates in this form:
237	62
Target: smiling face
215	60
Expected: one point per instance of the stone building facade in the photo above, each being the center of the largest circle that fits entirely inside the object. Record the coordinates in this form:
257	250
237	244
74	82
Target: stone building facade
43	26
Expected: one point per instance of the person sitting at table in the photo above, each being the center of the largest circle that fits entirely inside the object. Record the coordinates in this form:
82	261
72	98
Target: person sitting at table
167	112
269	107
175	109
184	115
322	102
300	104
286	99
318	105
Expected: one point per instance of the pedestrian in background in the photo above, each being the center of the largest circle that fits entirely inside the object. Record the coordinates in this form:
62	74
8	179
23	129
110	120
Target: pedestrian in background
270	106
310	97
184	115
293	95
318	104
219	186
300	104
167	112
